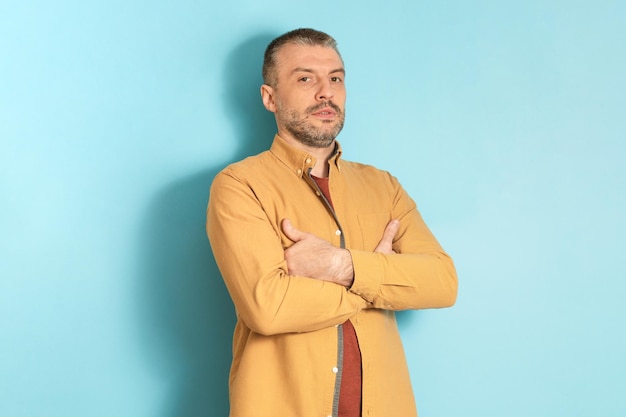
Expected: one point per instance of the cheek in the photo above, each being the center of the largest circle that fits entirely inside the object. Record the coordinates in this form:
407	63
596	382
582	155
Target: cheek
340	97
295	100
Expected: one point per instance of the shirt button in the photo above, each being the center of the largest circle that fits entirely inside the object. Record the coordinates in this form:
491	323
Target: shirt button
308	160
335	369
299	171
318	193
338	232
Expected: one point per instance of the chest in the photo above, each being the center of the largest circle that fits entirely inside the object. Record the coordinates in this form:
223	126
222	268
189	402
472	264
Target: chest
359	212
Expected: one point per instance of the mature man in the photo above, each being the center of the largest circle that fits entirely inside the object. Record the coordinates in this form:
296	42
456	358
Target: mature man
317	253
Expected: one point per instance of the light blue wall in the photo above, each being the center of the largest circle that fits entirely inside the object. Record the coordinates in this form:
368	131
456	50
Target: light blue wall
505	121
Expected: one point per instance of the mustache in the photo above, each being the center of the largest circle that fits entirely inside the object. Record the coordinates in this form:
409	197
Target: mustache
322	105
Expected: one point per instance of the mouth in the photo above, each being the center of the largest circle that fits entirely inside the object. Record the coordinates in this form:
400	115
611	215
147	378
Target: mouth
325	113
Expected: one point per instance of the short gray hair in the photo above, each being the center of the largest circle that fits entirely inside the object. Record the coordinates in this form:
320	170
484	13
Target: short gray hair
304	36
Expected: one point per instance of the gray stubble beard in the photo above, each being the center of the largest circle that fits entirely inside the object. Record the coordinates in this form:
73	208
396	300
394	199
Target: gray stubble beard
309	135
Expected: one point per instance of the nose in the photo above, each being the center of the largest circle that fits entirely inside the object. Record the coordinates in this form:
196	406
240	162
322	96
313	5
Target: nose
325	91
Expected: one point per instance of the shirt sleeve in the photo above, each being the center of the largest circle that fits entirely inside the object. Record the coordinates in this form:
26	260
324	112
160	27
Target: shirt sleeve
419	275
250	256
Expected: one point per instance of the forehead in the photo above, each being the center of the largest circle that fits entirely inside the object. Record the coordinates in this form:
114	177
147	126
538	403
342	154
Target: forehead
316	58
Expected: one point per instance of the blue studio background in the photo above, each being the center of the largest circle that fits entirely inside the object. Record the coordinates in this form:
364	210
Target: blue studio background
504	120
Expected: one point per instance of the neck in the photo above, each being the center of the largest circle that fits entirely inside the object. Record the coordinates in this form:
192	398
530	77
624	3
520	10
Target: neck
321	155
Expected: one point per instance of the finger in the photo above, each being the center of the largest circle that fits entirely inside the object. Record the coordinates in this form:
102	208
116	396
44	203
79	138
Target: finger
291	232
386	243
391	230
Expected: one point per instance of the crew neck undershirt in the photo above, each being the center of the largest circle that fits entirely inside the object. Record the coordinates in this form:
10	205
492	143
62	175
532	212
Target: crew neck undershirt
350	389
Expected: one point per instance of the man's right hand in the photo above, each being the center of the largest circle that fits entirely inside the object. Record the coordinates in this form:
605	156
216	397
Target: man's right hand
313	257
316	258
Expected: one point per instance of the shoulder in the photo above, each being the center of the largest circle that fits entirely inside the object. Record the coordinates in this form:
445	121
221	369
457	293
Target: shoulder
366	171
248	167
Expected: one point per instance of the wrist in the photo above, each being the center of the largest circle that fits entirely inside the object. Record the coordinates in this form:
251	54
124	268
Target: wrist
344	269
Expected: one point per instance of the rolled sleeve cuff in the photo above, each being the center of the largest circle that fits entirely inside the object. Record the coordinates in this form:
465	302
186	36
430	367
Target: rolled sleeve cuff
368	274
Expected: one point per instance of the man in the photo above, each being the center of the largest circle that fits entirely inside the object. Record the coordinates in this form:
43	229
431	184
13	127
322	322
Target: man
317	253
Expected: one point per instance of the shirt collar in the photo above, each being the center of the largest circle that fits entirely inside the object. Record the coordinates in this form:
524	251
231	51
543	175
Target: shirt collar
299	161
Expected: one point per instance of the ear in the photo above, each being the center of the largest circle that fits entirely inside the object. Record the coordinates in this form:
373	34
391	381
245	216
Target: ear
267	95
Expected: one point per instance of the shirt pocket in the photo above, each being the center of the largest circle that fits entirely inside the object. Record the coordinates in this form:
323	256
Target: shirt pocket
372	226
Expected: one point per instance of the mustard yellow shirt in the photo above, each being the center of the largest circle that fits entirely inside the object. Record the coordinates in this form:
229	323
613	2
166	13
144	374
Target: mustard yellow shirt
287	340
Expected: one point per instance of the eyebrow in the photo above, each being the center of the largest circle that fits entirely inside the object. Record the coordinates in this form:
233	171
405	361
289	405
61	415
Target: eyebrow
301	69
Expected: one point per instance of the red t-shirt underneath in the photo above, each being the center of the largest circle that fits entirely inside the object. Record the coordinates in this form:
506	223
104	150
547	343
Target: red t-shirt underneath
350	390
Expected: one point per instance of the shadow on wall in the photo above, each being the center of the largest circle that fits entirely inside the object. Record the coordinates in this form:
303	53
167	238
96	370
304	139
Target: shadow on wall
187	316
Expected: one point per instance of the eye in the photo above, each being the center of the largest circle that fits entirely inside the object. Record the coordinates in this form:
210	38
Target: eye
304	79
336	79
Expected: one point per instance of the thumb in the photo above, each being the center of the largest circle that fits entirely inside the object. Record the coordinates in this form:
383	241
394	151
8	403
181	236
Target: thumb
386	243
291	232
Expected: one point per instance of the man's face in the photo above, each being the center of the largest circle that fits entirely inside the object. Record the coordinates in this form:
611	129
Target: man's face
309	98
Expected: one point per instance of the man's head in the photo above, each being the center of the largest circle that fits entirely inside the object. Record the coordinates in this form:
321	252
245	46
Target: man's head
310	37
304	87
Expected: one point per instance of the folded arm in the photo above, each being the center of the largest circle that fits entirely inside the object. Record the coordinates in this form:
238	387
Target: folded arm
313	257
249	252
418	274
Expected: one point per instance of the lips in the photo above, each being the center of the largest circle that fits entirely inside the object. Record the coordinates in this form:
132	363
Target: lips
326	112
